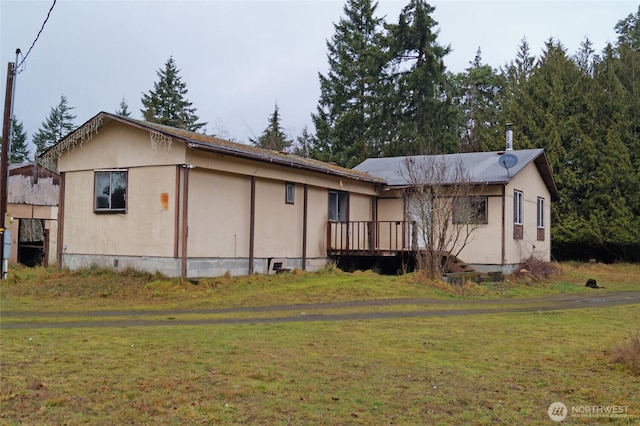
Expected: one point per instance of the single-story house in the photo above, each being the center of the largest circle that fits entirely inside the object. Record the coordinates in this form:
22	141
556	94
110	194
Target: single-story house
156	198
147	196
510	192
32	207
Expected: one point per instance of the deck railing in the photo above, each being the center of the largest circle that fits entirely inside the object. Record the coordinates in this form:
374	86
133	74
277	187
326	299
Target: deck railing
361	237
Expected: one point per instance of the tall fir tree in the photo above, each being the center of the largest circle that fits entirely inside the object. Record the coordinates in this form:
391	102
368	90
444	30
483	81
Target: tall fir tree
478	96
627	72
123	109
516	103
628	30
167	104
422	97
348	103
304	143
19	151
273	137
58	124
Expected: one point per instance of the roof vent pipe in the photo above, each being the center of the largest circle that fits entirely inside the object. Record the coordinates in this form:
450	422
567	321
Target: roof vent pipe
509	137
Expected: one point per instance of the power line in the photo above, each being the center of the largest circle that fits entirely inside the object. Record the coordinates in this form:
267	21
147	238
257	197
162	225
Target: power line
24	58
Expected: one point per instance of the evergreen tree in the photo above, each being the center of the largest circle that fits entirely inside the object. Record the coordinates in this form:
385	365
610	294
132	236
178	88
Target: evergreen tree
516	103
424	110
479	88
348	100
627	74
58	124
304	143
167	104
628	30
579	109
19	151
273	137
123	109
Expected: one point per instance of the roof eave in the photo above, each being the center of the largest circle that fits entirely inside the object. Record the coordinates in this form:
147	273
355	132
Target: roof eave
544	169
249	156
107	117
406	185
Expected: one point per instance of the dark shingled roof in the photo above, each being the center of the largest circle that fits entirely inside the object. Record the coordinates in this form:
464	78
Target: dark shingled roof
199	141
483	167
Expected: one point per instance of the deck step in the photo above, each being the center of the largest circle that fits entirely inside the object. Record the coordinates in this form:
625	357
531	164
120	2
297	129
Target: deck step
457	265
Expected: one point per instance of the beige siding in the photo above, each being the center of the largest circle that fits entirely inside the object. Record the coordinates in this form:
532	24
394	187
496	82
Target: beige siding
360	212
359	207
390	233
219	214
530	183
278	226
390	208
485	241
145	229
317	217
266	170
117	145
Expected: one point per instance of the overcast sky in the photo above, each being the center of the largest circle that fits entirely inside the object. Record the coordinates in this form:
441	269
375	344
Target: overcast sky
238	58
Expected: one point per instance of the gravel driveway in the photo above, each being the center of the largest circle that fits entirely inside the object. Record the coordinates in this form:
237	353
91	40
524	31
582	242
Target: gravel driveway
313	312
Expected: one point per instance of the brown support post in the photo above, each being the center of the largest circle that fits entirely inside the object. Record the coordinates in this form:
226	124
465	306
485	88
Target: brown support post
304	227
347	223
45	254
373	238
176	225
60	235
252	223
185	221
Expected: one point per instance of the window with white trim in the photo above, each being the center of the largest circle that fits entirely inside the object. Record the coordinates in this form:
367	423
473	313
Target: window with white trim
518	207
540	221
289	193
110	191
338	206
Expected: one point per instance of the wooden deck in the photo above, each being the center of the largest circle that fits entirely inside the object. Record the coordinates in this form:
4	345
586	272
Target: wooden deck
389	245
371	238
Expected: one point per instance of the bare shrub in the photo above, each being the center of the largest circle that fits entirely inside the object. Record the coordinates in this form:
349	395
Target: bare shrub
446	206
628	353
538	269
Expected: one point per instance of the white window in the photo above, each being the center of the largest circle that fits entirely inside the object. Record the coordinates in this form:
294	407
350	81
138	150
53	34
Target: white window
518	207
289	193
540	212
338	206
110	191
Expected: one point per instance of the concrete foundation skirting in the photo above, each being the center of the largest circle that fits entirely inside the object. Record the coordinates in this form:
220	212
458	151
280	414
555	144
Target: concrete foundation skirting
196	267
487	268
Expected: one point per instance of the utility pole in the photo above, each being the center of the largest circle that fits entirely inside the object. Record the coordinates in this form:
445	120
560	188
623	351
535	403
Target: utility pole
4	163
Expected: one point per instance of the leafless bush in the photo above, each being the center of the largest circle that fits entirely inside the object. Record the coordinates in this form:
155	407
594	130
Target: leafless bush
628	353
442	202
538	269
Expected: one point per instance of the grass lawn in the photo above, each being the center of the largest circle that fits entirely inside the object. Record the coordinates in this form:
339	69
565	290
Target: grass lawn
477	369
